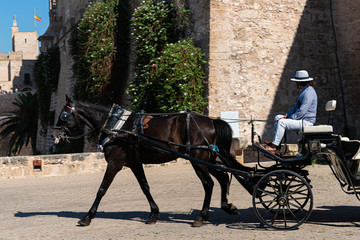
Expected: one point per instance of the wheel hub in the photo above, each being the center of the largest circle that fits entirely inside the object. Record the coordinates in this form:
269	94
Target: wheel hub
282	200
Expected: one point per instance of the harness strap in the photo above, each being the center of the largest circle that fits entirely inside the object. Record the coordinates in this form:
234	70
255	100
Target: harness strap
214	149
187	151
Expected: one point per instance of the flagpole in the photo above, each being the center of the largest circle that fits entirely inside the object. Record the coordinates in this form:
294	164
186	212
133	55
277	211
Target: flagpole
35	19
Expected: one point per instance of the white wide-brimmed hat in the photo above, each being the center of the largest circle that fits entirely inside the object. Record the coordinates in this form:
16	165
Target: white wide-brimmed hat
302	76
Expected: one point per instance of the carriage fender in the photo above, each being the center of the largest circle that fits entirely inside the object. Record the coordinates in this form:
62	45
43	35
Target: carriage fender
354	148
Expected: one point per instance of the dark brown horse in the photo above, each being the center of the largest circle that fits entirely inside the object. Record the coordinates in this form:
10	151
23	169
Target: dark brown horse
187	133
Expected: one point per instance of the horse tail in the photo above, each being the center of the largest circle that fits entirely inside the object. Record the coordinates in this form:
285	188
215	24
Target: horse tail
223	141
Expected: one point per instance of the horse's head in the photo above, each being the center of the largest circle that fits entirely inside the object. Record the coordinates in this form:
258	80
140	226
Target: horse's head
67	120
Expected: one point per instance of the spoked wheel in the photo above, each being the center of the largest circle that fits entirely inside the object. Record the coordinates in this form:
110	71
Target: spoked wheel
282	199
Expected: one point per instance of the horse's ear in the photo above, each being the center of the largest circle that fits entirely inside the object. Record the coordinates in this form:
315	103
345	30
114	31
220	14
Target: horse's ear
68	100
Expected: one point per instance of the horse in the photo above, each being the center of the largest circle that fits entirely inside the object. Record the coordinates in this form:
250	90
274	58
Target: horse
188	133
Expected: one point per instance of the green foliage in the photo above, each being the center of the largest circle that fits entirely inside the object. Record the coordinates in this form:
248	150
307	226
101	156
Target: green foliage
153	26
176	80
180	75
168	72
46	71
94	50
22	124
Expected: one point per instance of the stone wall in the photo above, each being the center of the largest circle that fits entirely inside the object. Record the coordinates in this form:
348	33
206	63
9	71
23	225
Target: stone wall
51	165
347	28
63	18
65	164
256	46
27	44
6	105
4	73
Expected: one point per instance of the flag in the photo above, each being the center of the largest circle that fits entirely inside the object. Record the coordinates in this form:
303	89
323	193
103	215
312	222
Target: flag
37	18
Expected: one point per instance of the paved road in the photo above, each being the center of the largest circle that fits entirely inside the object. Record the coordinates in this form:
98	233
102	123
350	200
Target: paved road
49	208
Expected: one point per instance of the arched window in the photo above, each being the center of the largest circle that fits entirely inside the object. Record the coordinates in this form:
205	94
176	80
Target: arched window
27	78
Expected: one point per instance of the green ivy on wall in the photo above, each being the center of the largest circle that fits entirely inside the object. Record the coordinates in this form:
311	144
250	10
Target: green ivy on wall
46	72
169	74
93	46
178	76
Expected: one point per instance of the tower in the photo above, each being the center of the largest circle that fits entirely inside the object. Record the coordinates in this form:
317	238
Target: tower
24	42
14	29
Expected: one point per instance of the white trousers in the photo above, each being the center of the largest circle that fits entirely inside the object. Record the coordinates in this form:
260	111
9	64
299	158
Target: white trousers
286	124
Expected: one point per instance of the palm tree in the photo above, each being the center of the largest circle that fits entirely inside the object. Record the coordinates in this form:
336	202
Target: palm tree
22	124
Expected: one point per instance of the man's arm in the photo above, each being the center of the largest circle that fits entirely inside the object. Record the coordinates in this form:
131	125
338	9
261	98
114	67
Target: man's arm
304	102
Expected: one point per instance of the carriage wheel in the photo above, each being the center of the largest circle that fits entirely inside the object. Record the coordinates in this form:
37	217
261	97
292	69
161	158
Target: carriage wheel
282	199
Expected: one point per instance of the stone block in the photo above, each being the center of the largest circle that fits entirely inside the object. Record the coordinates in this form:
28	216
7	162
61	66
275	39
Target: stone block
238	146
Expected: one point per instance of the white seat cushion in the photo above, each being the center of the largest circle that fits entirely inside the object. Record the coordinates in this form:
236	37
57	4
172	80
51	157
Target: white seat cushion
318	129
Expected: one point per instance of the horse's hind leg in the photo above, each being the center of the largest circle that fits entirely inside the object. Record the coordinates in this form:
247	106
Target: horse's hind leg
224	182
139	173
208	184
112	169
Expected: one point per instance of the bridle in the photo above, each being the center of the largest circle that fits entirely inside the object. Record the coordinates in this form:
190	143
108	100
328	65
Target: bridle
65	117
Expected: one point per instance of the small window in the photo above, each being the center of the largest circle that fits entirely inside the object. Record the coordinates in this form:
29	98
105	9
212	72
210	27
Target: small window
27	78
25	40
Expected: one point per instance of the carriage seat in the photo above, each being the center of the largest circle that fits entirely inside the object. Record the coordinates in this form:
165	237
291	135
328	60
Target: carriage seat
318	129
322	129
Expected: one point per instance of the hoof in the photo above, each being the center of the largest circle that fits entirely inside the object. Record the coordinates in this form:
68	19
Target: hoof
152	219
231	209
197	223
84	222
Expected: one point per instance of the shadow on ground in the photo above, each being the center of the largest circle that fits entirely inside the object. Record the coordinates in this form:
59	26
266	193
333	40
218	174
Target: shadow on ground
339	216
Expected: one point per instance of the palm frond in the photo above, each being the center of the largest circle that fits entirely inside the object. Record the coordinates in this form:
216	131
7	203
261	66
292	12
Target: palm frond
21	125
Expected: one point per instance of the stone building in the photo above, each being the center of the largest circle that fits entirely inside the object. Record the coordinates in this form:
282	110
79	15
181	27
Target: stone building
16	72
253	48
16	68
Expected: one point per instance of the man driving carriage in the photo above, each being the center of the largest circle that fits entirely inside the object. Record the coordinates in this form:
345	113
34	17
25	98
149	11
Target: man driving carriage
303	113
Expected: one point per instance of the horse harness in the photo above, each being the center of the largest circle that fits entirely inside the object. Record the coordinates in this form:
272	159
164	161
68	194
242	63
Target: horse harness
118	116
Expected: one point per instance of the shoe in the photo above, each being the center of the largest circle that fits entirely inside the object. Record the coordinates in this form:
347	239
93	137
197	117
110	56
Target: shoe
269	143
269	149
272	145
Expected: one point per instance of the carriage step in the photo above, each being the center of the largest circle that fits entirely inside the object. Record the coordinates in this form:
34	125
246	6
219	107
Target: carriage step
355	189
266	153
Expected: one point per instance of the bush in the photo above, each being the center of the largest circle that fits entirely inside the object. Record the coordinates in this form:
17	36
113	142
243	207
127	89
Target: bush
168	73
177	80
46	71
93	48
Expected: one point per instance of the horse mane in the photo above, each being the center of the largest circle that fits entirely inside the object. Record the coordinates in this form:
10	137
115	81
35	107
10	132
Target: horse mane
93	114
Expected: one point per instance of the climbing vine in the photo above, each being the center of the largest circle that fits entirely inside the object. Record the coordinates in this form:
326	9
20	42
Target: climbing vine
178	78
93	46
168	70
46	72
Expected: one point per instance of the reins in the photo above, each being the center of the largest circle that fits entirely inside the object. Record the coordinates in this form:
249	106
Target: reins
65	137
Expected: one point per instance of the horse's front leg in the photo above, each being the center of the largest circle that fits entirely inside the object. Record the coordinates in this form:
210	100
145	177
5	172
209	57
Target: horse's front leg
105	184
139	173
116	159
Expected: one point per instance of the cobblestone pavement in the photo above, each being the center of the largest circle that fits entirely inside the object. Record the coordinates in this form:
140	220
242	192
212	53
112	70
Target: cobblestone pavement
49	208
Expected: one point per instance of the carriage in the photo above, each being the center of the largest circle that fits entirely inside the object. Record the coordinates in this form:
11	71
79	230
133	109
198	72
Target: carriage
282	196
